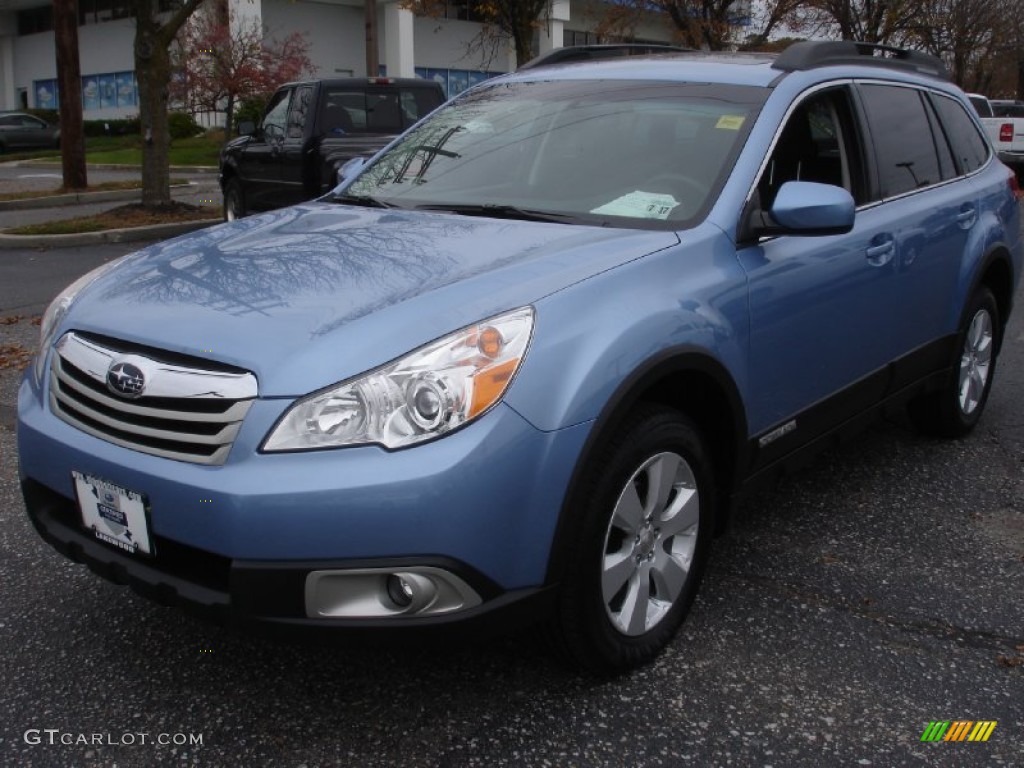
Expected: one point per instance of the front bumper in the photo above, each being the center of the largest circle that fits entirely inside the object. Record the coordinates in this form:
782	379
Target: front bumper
241	592
239	541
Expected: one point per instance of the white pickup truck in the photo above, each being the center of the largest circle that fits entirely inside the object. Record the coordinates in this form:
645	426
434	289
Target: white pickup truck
1004	122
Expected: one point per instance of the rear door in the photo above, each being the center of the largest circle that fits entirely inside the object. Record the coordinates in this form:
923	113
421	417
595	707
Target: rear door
927	207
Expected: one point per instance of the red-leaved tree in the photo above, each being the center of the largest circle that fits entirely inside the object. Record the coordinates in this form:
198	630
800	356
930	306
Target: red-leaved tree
218	66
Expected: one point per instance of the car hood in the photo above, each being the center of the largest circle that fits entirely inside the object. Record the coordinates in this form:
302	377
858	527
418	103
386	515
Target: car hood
311	295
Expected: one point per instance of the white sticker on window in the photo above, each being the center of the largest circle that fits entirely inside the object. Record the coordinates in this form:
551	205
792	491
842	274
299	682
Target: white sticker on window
640	205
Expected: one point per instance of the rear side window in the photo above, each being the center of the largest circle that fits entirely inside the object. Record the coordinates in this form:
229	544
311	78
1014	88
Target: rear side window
381	110
902	135
969	147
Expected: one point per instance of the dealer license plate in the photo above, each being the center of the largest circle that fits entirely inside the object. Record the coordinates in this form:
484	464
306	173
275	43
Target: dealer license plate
114	514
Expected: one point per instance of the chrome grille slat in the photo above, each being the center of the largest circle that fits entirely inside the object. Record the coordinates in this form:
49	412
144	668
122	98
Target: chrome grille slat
234	413
225	435
186	414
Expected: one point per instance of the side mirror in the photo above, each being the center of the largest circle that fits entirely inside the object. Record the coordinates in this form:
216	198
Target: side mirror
808	208
805	208
246	128
350	169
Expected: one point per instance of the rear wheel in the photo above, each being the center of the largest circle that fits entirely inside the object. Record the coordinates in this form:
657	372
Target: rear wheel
646	517
234	200
956	408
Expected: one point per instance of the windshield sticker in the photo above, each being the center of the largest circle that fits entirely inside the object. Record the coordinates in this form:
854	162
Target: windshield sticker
640	205
730	122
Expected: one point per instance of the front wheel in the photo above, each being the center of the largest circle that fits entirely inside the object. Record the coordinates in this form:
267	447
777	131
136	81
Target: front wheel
234	200
956	408
646	510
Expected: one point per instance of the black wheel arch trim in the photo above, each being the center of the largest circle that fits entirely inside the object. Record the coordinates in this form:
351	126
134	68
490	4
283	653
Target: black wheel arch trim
668	362
997	253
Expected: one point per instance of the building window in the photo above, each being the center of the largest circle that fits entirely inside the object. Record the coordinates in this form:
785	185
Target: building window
464	10
571	37
32	21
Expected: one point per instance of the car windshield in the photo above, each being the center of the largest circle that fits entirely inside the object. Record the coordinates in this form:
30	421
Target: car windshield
626	153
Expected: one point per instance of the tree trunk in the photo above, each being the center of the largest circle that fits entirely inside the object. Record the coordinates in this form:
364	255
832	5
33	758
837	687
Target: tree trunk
153	72
69	78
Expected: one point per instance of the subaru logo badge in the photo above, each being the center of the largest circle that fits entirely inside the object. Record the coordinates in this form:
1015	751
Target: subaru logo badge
126	380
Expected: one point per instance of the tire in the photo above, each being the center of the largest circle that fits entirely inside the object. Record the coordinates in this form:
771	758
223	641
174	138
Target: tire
956	408
234	200
635	558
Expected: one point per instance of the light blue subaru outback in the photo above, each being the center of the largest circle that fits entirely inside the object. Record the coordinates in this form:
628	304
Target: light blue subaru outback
521	363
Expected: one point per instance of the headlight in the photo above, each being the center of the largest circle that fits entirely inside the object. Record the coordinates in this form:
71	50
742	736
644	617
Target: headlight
54	314
427	393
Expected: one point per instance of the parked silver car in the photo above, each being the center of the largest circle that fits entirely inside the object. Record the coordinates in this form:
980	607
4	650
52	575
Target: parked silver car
23	131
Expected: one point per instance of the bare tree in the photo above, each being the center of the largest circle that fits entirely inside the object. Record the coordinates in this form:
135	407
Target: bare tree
518	19
871	21
967	34
705	24
767	17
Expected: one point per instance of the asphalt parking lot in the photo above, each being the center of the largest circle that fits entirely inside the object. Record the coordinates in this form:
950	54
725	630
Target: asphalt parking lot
875	592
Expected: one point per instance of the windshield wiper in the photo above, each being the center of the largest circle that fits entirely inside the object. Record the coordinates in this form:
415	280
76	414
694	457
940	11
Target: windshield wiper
367	200
496	211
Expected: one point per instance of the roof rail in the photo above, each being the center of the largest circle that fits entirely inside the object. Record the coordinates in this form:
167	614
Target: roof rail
819	53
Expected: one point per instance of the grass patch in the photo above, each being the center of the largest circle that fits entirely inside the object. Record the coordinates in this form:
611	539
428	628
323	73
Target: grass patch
123	217
199	150
127	150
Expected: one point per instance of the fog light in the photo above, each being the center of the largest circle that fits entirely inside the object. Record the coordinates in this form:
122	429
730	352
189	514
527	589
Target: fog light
400	591
377	593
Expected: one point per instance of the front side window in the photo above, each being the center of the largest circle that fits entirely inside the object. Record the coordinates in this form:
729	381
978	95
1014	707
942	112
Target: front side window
902	136
818	143
298	111
634	153
274	119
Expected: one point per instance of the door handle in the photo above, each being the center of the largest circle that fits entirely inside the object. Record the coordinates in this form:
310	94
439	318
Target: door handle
967	216
881	254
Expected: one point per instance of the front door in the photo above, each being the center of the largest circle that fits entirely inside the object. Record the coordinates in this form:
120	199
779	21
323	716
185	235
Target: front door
259	165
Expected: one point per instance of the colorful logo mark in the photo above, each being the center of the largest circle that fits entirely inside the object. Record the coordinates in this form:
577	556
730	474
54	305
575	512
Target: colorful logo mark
958	730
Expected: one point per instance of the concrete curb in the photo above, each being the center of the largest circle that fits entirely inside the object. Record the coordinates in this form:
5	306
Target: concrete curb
77	198
115	166
153	232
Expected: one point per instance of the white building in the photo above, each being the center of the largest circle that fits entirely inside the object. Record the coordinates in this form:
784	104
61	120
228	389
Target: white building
439	48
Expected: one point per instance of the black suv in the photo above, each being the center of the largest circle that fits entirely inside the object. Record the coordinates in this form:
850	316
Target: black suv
309	130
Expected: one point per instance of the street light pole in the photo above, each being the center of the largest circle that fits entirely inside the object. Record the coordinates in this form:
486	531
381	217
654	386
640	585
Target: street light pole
69	87
372	56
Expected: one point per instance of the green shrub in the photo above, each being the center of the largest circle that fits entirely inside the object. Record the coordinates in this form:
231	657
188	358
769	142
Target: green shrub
49	115
121	127
182	125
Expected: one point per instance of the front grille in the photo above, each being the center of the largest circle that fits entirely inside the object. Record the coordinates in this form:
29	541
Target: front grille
185	413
